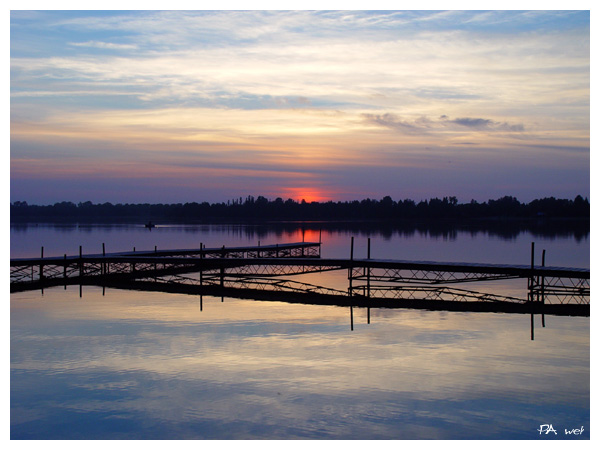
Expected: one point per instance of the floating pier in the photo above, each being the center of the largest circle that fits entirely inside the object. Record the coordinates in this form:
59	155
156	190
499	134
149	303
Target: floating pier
258	271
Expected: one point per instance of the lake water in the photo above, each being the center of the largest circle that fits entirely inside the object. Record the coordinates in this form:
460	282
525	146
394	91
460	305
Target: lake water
117	364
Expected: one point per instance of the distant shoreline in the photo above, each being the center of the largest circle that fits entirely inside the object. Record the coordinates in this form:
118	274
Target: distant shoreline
264	211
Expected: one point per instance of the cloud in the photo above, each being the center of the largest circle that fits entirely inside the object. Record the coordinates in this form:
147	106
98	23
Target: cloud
424	124
487	124
472	123
105	45
391	121
330	57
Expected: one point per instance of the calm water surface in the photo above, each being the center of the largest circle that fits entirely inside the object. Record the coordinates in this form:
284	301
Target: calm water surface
119	364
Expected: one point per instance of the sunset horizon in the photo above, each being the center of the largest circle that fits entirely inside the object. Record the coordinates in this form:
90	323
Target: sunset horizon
184	106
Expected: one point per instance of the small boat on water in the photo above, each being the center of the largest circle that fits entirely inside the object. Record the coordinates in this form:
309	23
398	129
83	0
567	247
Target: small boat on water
150	225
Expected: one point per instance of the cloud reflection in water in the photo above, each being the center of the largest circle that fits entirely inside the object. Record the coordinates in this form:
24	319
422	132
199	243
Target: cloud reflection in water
152	366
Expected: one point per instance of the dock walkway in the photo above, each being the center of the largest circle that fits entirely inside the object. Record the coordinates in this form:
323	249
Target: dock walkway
260	268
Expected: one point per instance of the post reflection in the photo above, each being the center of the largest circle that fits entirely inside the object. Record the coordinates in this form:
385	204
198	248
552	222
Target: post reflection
127	364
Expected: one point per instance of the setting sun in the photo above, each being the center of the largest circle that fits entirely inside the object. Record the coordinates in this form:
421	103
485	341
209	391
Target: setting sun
305	193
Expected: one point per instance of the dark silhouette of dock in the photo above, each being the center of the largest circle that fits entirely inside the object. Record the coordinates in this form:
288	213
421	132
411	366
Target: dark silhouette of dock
260	272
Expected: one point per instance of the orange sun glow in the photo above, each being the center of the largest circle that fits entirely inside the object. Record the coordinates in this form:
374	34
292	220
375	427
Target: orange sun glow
306	194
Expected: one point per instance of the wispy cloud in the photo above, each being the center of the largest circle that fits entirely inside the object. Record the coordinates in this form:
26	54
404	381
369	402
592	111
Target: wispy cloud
105	45
425	124
328	58
487	124
392	121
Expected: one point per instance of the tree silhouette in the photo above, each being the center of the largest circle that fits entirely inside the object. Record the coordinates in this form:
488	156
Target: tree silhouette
262	209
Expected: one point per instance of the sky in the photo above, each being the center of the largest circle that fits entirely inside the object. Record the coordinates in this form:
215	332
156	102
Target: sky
192	106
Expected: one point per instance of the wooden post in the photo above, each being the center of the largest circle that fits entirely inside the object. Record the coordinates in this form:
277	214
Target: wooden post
542	290
42	266
368	269
200	302
320	242
531	277
368	315
201	281
80	270
65	271
133	264
531	285
351	320
80	262
222	271
103	263
351	266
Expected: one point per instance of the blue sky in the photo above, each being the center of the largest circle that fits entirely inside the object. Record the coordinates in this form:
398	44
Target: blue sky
176	106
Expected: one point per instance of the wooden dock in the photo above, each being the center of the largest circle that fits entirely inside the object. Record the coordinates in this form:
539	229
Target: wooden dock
259	270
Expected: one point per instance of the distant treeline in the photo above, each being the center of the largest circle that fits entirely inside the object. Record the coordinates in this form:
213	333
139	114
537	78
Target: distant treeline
262	209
